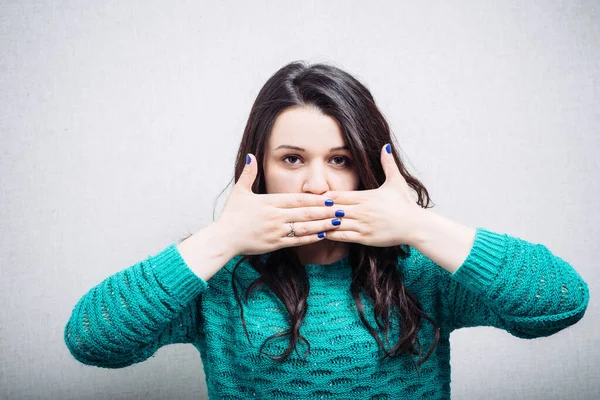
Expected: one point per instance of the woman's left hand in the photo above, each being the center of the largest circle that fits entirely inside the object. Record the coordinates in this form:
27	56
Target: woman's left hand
382	217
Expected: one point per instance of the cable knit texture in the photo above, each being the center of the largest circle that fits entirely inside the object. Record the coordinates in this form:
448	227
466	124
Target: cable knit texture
504	282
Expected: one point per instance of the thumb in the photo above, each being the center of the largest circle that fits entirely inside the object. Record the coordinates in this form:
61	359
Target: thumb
388	163
249	172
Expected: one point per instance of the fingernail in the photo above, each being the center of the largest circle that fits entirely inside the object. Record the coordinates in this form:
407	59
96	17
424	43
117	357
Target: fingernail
248	159
328	202
336	221
339	213
321	235
388	148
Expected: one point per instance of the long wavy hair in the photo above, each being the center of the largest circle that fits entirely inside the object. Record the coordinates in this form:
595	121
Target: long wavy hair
342	97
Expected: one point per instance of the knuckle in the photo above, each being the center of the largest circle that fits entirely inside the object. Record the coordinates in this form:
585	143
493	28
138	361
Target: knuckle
273	217
308	214
304	230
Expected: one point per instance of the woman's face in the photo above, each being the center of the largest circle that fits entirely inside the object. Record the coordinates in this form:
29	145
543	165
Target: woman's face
305	154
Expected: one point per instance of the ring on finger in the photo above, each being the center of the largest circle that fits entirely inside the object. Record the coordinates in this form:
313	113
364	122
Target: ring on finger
292	231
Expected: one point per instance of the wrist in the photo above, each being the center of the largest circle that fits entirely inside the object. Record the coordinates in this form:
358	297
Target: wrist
222	237
206	251
422	221
443	240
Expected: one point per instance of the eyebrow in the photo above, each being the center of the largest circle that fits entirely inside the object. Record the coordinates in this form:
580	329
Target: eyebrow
287	146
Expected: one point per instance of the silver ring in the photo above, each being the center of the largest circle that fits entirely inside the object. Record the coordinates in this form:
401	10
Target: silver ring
292	232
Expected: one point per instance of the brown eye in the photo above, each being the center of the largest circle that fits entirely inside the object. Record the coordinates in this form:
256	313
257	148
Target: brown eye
344	161
291	157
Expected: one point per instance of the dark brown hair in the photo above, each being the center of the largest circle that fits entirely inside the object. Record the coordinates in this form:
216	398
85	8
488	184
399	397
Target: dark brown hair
342	97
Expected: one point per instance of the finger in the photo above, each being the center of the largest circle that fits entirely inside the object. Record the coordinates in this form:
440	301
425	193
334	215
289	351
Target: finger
311	227
347	197
302	240
390	168
344	236
347	224
301	214
388	163
248	175
292	200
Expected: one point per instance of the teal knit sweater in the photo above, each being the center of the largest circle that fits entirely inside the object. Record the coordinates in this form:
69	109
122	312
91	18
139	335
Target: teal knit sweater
504	282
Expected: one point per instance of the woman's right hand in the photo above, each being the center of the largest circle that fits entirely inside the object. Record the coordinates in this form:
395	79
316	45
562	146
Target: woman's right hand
259	223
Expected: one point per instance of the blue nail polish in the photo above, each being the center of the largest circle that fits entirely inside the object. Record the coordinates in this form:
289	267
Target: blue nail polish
336	221
339	213
328	202
321	235
248	159
388	148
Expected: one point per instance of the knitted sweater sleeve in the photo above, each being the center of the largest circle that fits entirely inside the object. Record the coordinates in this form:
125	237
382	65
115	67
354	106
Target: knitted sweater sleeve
128	316
514	285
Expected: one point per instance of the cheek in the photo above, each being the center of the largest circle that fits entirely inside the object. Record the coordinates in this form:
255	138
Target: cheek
278	181
351	181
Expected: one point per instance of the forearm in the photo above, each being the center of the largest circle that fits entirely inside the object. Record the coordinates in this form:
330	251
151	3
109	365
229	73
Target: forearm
206	251
442	240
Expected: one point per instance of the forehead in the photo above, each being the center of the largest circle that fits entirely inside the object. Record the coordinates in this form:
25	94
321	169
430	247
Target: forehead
306	127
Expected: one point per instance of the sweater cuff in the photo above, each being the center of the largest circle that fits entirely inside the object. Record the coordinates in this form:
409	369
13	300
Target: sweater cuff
484	262
175	276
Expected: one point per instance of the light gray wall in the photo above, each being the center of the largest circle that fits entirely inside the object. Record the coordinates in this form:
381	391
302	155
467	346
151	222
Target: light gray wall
120	121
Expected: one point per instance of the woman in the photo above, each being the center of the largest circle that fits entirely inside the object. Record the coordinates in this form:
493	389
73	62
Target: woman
350	288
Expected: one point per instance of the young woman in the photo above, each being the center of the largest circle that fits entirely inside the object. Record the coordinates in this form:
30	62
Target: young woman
323	277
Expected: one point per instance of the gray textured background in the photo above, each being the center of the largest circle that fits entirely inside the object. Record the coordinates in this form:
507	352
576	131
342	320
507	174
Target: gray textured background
120	121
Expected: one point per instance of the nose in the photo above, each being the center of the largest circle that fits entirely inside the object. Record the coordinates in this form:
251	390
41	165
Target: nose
315	181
